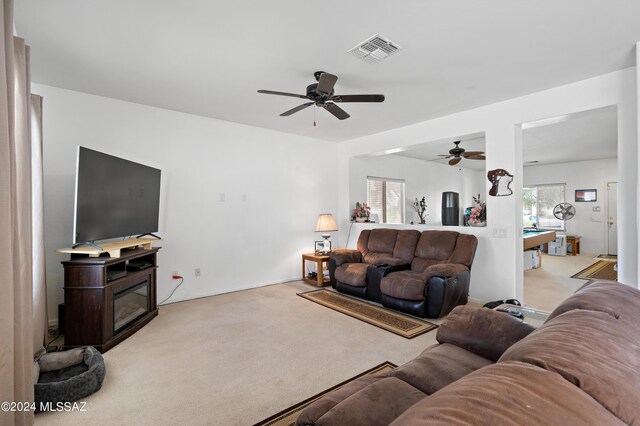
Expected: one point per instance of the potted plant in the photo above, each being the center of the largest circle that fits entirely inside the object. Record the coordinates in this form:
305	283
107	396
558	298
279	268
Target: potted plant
420	206
361	213
478	213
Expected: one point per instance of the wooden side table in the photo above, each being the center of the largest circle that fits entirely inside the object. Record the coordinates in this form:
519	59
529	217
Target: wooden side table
574	240
320	261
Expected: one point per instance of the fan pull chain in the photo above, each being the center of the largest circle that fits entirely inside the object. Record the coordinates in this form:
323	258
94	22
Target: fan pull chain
314	116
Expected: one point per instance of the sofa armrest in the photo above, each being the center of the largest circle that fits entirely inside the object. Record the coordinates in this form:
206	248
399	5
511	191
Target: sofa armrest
341	256
444	270
482	331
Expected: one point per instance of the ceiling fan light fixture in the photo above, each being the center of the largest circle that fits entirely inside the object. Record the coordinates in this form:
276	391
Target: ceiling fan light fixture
374	49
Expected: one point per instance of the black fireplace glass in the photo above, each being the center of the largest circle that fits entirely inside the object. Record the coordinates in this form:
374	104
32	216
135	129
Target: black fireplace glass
129	305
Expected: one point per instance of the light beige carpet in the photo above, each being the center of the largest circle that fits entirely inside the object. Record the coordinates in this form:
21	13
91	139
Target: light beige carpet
234	359
546	287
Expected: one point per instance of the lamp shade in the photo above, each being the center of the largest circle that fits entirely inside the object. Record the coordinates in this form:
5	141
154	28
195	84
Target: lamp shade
326	223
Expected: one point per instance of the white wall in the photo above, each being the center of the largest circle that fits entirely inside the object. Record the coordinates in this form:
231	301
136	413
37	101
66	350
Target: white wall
500	123
288	180
591	226
422	178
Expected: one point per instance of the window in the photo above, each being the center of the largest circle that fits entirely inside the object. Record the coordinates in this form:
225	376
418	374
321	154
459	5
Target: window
538	204
386	199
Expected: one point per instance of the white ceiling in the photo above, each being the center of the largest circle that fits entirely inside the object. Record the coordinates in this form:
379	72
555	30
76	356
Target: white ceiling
588	135
210	57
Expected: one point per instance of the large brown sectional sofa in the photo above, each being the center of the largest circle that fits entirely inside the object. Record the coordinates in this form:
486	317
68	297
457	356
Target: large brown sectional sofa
422	273
582	366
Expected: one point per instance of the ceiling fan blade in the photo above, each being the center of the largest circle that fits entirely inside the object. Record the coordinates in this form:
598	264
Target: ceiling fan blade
475	157
336	110
271	92
326	83
358	98
296	109
445	156
469	153
454	161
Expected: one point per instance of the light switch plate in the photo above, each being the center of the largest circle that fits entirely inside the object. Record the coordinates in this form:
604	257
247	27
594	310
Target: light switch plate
499	232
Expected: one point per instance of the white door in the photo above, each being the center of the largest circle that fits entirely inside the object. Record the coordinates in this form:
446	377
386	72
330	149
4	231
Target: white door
612	217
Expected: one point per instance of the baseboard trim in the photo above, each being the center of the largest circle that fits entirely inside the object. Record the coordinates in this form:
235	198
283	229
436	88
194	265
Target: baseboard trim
227	290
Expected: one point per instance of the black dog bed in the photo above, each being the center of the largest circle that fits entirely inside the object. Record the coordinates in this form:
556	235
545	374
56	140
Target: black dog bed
67	376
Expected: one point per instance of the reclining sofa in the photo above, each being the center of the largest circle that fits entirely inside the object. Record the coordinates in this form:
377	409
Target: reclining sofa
580	367
421	273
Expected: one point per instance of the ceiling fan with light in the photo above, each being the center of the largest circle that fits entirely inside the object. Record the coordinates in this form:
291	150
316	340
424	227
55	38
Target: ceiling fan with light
322	95
457	154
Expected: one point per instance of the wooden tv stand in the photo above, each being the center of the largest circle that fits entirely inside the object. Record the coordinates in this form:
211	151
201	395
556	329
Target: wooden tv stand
113	249
107	299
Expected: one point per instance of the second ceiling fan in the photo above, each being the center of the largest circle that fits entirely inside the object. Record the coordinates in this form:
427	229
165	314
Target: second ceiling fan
457	154
322	95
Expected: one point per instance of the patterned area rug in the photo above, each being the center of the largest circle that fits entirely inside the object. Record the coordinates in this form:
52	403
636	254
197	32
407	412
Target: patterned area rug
288	417
602	269
609	257
400	324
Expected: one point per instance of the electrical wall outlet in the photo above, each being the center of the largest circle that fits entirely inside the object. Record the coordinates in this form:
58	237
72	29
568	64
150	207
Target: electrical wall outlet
197	272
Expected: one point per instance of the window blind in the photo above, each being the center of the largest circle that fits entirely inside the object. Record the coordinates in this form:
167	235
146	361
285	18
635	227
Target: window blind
385	197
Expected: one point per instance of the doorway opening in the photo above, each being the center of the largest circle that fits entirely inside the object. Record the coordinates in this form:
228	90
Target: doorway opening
570	197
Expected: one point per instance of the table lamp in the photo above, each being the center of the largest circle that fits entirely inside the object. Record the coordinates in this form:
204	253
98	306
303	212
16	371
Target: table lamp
326	223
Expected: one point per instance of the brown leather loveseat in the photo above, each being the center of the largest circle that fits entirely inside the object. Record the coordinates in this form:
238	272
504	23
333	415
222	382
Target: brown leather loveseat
385	249
580	367
422	273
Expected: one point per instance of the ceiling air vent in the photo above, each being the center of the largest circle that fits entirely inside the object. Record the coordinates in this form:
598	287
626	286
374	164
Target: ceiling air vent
374	49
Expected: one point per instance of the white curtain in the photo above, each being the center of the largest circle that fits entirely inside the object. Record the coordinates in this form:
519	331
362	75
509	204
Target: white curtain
19	338
40	323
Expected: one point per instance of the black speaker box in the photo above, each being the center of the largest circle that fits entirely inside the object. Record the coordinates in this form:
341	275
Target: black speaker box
450	209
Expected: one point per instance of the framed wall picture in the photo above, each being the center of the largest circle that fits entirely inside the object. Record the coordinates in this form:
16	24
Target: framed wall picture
320	245
586	195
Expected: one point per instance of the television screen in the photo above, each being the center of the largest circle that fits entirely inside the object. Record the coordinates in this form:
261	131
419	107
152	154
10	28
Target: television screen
114	197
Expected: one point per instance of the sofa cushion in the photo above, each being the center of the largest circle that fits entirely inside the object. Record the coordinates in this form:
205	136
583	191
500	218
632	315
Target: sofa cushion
377	404
436	245
406	285
593	351
363	240
419	264
510	393
602	295
465	250
382	240
354	274
405	247
437	366
485	332
319	407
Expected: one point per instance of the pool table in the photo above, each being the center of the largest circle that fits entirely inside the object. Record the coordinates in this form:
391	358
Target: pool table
534	238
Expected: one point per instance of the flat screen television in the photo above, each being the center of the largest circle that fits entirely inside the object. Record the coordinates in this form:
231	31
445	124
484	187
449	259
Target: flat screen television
114	197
